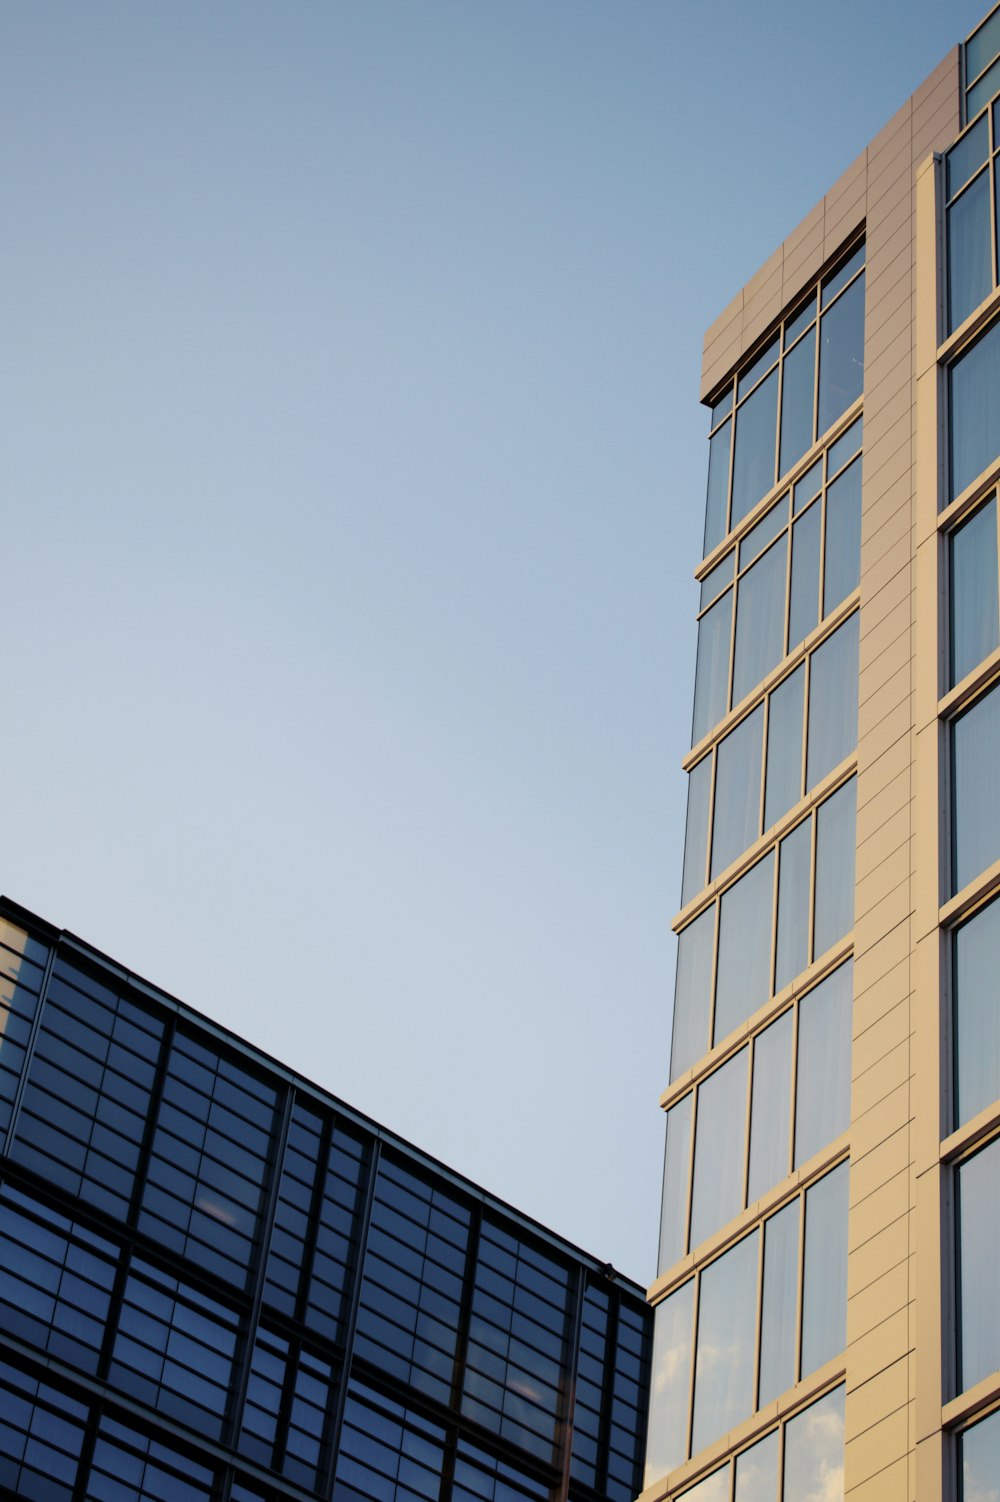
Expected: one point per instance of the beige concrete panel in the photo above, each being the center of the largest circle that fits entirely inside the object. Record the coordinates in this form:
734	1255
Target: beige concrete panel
722	347
889	1485
928	1469
762	302
803	255
891	835
879	717
943	82
883	877
892	522
874	1305
731	317
890	301
888	162
888	373
877	636
869	1130
929	877
763	276
882	769
884	143
893	438
938	133
891	260
891	1029
875	606
876	1000
895	907
842	226
845	190
883	568
879	1349
898	327
885	198
873	815
877	1398
927	676
879	671
884	1162
885	1250
878	1083
721	368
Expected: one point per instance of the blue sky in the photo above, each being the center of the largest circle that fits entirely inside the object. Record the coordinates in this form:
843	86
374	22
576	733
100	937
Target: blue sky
353	477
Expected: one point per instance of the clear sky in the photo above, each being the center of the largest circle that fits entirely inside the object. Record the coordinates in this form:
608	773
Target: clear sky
352	477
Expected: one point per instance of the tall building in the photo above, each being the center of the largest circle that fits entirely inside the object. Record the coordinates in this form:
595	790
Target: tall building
220	1284
827	1322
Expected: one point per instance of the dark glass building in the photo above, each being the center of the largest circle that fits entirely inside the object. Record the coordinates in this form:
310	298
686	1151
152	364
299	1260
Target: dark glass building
219	1282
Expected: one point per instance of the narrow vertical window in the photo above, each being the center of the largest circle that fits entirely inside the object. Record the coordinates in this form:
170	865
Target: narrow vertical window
974	613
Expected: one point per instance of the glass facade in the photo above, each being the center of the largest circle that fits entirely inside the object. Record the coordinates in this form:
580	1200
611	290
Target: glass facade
217	1283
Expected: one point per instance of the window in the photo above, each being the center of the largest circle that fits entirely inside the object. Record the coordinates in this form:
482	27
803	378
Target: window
972	591
814	1461
285	1416
41	1437
786	397
978	1209
979	1459
128	1467
769	1312
975	808
974	410
976	1013
982	72
762	767
785	576
762	932
610	1396
744	1141
387	1451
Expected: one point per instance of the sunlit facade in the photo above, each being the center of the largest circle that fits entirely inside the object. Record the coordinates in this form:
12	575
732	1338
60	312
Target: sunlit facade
220	1284
826	1315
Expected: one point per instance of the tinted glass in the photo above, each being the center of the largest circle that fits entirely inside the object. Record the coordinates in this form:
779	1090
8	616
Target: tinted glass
824	1273
760	620
800	321
714	1488
979	1459
753	372
976	1002
797	403
736	820
753	458
764	532
711	679
979	1308
783	785
714	582
823	1076
982	47
743	979
970	251
841	354
809	486
803	611
982	92
846	446
966	156
716	502
720	1130
780	1302
814	1451
975	619
721	407
696	834
727	1319
676	1171
841	276
673	1321
692	993
757	1471
974	403
975	805
836	822
833	701
795	860
842	563
770	1107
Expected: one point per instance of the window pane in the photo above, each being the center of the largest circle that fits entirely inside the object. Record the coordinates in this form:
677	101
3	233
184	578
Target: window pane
752	373
753	459
794	890
823	1076
800	321
718	486
833	701
808	487
757	1471
824	1275
676	1167
696	835
770	1107
979	1308
836	824
736	821
970	255
803	611
846	446
720	1132
841	276
976	1000
727	1320
964	157
779	1304
744	966
764	532
716	580
982	47
975	805
975	630
714	1488
784	747
841	354
711	678
979	1460
842	565
760	620
814	1451
692	993
799	381
666	1445
982	92
974	409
